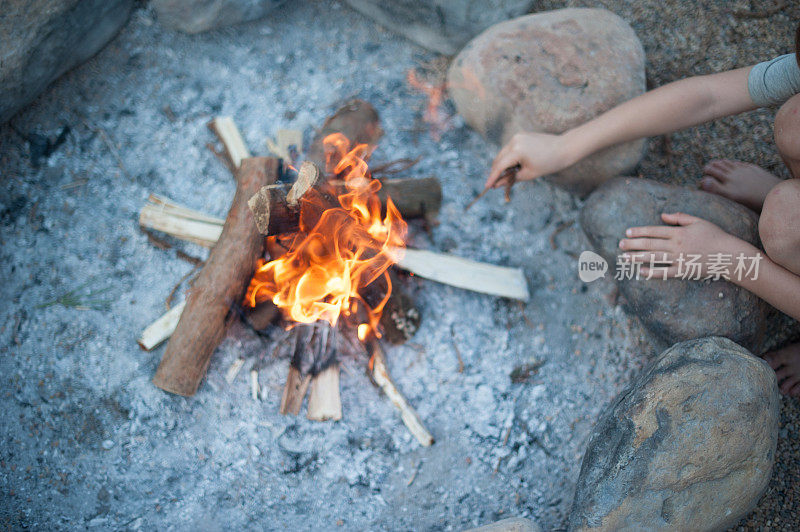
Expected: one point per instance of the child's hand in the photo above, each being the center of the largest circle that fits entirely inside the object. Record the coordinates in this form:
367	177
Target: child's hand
670	246
537	154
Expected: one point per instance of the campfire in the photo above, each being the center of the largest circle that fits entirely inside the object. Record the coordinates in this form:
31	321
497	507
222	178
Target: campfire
322	253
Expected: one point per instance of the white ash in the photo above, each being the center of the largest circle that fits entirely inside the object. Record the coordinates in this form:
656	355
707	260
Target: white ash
75	380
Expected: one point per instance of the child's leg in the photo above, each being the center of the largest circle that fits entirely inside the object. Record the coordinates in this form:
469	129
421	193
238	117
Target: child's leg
779	228
779	225
748	184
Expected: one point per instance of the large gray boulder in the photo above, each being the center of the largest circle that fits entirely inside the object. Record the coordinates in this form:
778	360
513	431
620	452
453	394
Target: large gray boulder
42	39
443	26
550	72
196	16
675	309
688	446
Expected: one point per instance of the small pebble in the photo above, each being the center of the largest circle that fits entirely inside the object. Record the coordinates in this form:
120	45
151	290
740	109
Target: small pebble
107	444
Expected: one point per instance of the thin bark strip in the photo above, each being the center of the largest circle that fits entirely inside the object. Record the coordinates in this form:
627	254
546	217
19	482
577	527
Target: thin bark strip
220	284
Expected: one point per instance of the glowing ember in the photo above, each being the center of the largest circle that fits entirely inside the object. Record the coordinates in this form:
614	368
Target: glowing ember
337	252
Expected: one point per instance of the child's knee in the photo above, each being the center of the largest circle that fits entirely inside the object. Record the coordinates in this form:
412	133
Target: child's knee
779	225
787	128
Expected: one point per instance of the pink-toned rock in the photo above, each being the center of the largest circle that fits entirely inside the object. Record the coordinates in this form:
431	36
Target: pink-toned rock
550	72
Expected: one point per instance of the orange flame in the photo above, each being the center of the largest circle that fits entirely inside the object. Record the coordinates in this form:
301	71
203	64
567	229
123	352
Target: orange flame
348	247
434	114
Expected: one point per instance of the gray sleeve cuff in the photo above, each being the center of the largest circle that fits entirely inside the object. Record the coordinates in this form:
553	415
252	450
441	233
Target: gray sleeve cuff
773	82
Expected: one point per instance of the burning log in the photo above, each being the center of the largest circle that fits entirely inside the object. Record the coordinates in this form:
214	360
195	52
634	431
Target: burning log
357	120
400	318
414	198
276	208
220	284
380	374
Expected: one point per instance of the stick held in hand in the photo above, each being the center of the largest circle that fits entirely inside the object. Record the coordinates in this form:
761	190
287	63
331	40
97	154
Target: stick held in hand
507	179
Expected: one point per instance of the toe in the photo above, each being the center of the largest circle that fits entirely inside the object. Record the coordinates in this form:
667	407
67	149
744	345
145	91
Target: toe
710	184
777	358
716	171
782	373
795	391
771	360
789	383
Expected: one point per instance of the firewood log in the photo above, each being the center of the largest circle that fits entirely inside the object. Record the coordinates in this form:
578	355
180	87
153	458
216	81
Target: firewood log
414	198
220	284
357	120
400	318
276	208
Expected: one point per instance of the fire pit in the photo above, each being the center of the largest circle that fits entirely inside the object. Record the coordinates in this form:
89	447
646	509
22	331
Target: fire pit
332	237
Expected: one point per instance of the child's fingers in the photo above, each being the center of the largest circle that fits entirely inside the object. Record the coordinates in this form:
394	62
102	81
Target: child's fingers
505	159
651	231
679	218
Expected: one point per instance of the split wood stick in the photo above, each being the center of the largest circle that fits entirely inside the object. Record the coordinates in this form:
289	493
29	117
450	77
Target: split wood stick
324	400
183	224
464	273
380	374
220	284
294	391
255	389
234	370
315	347
161	329
235	148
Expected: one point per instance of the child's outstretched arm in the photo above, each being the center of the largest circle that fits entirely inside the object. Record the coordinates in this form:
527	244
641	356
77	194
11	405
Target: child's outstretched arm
677	105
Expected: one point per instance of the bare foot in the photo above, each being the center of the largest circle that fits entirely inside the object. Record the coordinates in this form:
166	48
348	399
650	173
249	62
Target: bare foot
786	363
743	183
